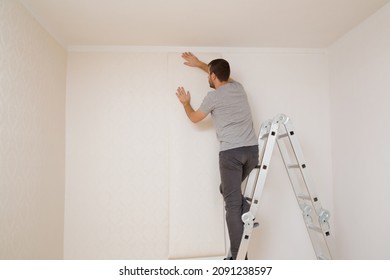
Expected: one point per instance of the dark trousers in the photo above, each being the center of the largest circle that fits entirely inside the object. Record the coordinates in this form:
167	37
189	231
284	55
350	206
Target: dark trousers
234	166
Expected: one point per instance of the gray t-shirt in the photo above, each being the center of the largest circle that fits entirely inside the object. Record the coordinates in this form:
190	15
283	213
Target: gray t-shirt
231	114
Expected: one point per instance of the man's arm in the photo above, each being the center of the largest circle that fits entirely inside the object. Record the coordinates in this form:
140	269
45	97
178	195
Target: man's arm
185	99
193	61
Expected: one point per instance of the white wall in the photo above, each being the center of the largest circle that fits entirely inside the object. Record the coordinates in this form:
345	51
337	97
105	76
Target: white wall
132	177
294	82
32	137
196	215
116	156
133	188
142	181
360	102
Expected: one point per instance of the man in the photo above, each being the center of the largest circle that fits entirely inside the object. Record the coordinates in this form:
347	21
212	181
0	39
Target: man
239	154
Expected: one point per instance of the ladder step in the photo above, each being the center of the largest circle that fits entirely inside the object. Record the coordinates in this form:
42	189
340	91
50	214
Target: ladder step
282	135
290	166
322	257
264	135
305	197
255	225
315	228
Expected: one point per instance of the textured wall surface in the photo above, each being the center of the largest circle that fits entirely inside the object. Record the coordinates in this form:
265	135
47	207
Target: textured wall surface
142	180
116	156
196	213
32	137
360	67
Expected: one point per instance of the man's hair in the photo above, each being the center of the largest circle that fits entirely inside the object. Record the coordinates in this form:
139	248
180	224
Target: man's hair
220	68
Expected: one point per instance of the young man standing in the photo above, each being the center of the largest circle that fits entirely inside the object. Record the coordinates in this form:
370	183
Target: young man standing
239	154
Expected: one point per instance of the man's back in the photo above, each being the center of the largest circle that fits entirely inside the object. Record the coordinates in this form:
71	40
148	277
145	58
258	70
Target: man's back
232	117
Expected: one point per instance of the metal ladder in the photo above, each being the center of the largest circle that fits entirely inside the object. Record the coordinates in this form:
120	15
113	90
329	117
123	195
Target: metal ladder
280	131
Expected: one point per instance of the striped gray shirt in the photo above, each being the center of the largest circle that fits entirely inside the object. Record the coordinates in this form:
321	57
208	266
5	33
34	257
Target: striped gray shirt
231	114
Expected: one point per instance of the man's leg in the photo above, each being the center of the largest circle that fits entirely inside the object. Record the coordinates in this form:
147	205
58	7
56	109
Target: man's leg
250	164
234	164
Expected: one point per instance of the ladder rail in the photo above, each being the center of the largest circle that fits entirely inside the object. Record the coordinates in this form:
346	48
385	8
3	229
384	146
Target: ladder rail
316	221
301	162
261	174
262	141
307	202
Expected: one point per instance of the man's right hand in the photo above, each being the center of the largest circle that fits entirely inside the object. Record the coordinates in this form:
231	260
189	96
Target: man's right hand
192	61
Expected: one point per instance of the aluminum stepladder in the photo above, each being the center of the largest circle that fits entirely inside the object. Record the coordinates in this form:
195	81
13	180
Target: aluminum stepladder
280	130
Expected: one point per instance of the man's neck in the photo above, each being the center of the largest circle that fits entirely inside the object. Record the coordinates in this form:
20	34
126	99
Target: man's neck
218	85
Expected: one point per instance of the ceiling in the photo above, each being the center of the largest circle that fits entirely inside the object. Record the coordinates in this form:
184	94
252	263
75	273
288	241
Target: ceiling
203	23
